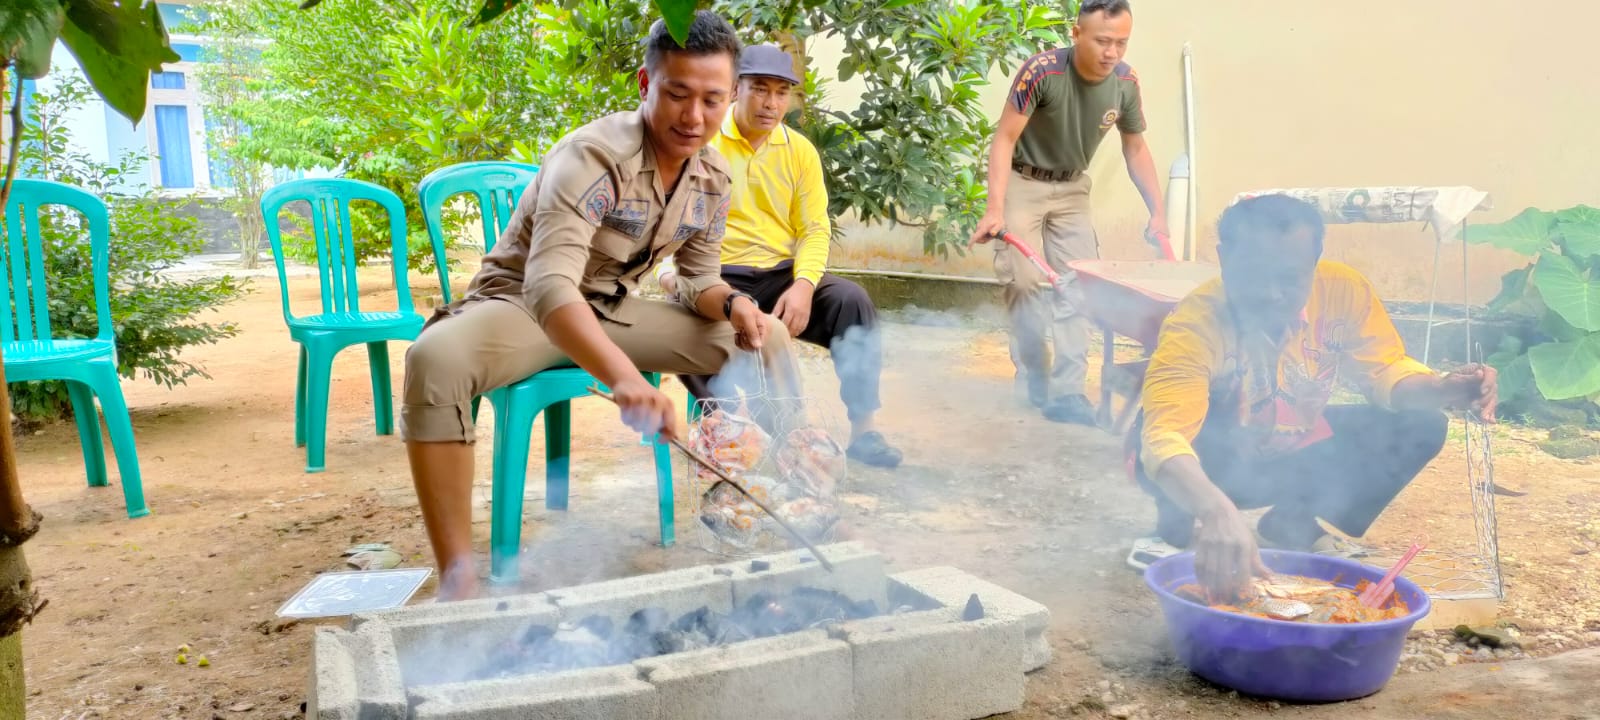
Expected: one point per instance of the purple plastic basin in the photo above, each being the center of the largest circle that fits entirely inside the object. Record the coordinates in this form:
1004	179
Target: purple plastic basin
1298	662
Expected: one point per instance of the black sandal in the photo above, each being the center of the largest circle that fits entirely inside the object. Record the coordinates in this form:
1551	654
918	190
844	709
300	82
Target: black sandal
872	449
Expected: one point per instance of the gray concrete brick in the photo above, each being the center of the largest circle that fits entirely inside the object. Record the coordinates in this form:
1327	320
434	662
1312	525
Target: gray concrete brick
447	646
532	602
677	592
613	693
952	587
802	676
354	676
858	574
332	695
933	666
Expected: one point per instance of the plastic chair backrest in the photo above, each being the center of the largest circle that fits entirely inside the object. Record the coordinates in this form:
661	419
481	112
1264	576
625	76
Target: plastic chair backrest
330	200
497	185
24	281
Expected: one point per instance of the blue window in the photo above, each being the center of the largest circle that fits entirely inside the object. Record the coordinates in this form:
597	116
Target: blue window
166	80
172	141
189	52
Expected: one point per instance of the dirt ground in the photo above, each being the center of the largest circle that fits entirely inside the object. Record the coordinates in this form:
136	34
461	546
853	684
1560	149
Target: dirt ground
238	527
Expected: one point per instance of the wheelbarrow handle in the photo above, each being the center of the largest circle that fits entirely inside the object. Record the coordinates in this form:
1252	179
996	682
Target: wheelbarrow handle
1022	247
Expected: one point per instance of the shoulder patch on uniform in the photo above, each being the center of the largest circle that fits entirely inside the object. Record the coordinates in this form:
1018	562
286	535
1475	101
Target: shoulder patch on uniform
599	199
1033	72
1126	72
697	214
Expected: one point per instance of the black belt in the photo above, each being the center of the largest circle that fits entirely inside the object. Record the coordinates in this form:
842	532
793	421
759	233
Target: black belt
1042	174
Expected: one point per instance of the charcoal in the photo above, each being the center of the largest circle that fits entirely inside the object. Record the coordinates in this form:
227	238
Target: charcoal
595	641
974	609
759	565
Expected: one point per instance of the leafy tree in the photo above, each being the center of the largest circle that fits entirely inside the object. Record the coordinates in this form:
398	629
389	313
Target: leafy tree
226	77
912	152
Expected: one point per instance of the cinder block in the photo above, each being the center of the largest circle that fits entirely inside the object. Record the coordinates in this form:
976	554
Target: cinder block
613	693
450	645
677	592
934	666
952	588
534	602
858	573
802	676
354	676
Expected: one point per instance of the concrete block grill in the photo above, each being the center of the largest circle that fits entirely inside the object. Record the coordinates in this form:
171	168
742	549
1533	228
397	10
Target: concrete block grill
775	637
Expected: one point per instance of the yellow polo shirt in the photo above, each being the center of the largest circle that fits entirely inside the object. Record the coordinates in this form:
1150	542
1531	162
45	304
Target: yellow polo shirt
780	203
1205	370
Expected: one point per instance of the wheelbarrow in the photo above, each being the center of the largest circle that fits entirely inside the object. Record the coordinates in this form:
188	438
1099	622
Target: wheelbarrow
1130	298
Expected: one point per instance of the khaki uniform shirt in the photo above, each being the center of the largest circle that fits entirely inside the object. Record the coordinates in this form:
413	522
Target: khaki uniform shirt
596	219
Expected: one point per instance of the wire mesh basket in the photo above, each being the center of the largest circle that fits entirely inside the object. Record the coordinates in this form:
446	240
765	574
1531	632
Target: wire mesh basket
758	430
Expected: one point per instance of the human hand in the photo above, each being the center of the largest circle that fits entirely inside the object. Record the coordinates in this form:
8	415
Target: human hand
749	324
989	226
794	307
645	408
1225	554
669	283
1156	230
1475	386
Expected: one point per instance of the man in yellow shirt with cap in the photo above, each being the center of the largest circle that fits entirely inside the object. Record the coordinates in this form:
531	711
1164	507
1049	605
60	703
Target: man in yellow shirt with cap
776	246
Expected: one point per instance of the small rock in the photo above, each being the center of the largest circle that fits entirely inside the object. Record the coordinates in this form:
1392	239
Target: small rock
1580	551
1123	711
1104	685
1107	698
242	707
1451	659
1274	705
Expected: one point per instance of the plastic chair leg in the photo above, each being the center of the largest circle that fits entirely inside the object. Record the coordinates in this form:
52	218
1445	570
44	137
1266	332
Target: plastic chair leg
557	453
475	402
88	419
120	424
382	394
300	401
663	457
513	426
319	373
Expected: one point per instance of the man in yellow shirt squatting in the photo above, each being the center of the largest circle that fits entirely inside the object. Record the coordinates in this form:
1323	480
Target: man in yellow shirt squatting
1235	405
776	246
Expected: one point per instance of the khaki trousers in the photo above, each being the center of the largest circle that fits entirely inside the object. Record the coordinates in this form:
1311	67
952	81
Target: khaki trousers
1053	218
479	344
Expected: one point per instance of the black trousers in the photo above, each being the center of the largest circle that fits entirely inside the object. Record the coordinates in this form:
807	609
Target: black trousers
1347	479
843	320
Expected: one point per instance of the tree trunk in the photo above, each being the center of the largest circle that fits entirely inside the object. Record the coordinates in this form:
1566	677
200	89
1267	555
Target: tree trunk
18	600
13	688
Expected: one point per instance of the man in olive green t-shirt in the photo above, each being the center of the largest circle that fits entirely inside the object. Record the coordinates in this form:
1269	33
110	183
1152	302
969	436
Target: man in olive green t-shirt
1061	105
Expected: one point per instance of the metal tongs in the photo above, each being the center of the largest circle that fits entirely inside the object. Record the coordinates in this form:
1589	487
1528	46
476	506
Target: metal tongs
723	477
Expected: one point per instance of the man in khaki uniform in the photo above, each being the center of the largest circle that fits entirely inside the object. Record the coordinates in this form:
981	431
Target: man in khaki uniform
1061	105
611	200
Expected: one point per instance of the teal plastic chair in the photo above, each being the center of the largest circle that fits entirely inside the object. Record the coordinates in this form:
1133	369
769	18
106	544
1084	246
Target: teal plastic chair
342	322
497	186
87	365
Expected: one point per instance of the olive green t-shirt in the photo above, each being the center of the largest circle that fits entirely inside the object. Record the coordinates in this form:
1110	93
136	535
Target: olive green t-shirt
1067	115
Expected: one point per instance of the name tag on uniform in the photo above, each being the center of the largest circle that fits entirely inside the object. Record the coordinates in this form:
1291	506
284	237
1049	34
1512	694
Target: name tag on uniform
628	217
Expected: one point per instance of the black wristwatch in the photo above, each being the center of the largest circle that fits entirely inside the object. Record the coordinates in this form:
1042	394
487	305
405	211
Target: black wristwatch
727	305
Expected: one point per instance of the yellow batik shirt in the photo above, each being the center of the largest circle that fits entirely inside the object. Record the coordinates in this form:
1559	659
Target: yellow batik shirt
780	202
1205	370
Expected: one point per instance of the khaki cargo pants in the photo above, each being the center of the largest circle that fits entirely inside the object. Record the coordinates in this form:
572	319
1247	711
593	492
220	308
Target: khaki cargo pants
477	345
1053	219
